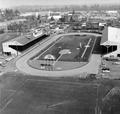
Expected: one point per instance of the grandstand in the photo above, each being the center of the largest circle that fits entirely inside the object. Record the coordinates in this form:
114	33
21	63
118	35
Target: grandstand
21	43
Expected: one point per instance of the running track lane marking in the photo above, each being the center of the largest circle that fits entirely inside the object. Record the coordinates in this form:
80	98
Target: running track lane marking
86	48
57	59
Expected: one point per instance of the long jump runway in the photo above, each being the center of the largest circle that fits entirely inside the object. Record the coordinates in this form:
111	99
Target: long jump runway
91	67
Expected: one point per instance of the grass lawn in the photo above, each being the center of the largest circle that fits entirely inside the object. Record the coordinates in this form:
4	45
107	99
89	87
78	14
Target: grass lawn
34	95
74	43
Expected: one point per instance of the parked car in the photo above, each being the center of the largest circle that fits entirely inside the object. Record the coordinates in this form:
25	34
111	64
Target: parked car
116	63
111	59
105	69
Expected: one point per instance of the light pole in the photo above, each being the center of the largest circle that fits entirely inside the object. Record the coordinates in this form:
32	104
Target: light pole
96	107
0	96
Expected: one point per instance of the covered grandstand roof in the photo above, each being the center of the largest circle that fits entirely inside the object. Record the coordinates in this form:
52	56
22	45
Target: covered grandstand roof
111	36
23	39
110	43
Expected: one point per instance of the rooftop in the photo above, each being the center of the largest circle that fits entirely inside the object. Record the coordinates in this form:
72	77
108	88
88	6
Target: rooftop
24	39
110	36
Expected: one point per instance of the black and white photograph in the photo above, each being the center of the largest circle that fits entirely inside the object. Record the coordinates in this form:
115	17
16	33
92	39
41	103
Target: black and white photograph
59	56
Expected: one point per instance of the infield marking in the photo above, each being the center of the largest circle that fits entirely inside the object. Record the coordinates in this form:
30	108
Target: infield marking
86	47
49	47
62	52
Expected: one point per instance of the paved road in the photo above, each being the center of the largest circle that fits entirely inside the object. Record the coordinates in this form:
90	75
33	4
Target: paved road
22	65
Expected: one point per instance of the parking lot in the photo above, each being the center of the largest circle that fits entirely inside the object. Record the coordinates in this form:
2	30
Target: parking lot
114	69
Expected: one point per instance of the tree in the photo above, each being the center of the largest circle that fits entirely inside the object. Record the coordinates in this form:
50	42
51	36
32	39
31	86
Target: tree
62	19
71	19
17	13
52	18
39	17
9	14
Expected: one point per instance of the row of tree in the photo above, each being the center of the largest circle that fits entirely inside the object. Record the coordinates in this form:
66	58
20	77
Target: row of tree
8	14
15	27
31	22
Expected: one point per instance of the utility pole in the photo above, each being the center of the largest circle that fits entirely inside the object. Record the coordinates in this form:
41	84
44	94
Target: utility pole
97	108
0	96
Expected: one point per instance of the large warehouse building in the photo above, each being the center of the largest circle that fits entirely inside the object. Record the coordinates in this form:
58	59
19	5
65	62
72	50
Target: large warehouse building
111	40
21	43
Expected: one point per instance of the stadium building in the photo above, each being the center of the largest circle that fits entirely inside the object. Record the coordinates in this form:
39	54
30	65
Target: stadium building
111	40
21	43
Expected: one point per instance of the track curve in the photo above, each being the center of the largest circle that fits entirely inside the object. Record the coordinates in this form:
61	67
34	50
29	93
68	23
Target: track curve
22	62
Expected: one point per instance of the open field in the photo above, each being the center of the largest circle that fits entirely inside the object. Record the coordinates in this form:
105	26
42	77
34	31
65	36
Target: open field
34	95
22	94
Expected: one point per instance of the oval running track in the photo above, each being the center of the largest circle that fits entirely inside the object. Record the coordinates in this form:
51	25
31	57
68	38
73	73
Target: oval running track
22	62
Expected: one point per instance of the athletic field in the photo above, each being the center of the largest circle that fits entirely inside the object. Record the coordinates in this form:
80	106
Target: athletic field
67	52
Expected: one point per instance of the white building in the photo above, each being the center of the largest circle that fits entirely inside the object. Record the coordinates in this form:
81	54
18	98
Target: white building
113	13
55	15
111	37
29	14
8	50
